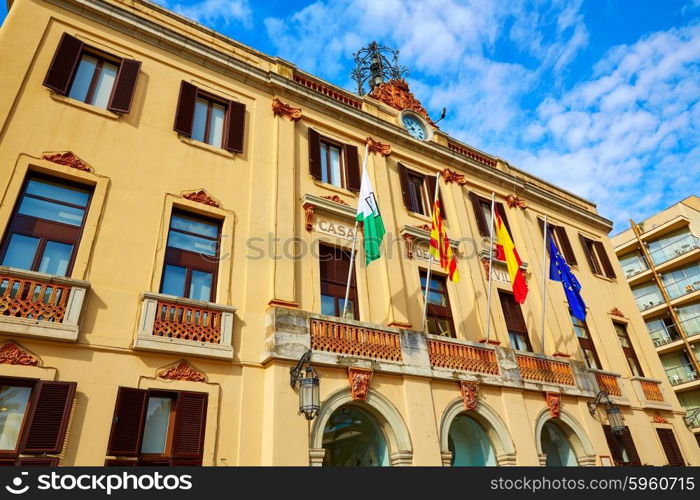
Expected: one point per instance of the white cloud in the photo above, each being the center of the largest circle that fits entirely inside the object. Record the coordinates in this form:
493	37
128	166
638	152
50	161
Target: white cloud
213	12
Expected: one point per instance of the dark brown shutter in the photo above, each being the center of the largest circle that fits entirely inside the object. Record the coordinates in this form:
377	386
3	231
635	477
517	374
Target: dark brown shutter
48	419
190	424
112	462
587	252
63	65
430	183
604	260
184	114
671	448
314	154
127	423
124	86
37	462
630	448
185	462
235	127
566	245
613	445
403	177
502	212
512	313
481	221
352	163
334	264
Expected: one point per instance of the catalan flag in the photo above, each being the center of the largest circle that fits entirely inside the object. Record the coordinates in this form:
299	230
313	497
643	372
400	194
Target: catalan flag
440	245
510	255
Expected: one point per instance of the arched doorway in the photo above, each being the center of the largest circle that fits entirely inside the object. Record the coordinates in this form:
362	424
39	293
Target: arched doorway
469	443
556	446
352	437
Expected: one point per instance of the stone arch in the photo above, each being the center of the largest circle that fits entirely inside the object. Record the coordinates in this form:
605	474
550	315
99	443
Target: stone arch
386	414
493	425
573	430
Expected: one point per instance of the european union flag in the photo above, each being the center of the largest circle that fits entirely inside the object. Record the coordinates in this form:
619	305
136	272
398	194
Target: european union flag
559	270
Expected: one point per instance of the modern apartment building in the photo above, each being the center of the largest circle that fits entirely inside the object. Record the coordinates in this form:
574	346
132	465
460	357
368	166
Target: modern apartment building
177	211
660	257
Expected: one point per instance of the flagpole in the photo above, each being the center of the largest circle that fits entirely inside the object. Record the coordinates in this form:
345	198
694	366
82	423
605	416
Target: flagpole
430	258
544	280
354	245
490	293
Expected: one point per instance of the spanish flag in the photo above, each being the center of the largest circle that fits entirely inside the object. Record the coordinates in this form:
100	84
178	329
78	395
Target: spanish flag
440	245
510	255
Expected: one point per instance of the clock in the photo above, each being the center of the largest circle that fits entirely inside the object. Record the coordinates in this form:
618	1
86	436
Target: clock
415	125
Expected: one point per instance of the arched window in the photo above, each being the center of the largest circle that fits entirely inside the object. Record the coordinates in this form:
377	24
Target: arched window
556	446
352	437
469	443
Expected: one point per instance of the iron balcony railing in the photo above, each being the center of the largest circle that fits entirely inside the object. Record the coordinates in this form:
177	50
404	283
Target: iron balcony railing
649	300
683	286
681	374
674	249
664	335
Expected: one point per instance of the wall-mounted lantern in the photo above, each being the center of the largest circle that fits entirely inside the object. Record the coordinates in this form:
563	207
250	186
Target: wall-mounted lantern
617	425
309	386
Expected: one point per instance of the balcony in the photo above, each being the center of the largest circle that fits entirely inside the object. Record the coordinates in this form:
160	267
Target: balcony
649	392
664	335
691	326
681	374
40	305
609	382
189	327
683	287
632	266
675	249
344	343
649	300
692	417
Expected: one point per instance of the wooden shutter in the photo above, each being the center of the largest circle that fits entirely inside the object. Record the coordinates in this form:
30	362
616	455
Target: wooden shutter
63	65
502	212
631	449
403	177
352	167
124	86
566	246
604	260
190	424
314	154
116	462
235	127
587	253
513	314
334	264
430	183
184	114
37	462
127	423
481	221
613	445
671	448
48	419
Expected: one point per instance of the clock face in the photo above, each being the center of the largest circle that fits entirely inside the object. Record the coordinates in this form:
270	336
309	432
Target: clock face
414	127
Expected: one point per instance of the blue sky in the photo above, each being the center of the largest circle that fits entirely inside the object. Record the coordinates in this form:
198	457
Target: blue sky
601	98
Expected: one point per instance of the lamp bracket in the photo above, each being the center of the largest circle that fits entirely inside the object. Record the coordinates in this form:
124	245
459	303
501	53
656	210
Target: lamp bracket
296	373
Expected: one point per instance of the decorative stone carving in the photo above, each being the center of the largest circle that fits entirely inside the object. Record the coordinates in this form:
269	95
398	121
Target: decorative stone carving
487	268
449	176
308	217
378	147
202	196
408	240
470	394
359	383
281	109
423	227
616	312
69	159
335	198
514	201
182	371
12	354
396	94
659	419
553	400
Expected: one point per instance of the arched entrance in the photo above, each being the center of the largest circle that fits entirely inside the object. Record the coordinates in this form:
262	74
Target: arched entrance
562	441
353	438
469	443
556	446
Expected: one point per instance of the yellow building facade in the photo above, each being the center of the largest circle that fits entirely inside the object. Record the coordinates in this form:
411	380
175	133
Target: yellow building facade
177	210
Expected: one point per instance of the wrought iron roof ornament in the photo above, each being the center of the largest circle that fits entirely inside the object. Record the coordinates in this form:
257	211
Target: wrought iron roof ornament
374	64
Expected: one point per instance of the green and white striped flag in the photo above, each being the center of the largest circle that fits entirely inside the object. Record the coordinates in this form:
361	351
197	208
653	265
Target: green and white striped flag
368	214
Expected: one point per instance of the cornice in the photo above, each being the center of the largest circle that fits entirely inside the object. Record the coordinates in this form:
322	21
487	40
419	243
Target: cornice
329	206
166	38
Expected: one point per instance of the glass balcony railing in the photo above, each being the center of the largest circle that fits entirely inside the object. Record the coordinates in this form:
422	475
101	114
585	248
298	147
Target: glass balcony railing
681	374
674	249
691	326
664	335
692	417
633	266
683	286
649	300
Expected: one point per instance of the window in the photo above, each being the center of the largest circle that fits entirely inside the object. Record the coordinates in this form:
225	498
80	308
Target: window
334	265
89	75
628	349
192	257
333	163
46	226
670	446
515	322
34	417
419	191
586	342
622	447
158	427
439	314
597	257
558	233
482	213
212	120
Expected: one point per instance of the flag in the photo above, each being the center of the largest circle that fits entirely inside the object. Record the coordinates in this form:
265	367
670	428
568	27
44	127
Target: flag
368	214
559	270
440	245
510	255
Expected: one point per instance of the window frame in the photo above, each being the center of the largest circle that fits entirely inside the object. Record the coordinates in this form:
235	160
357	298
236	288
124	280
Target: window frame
437	311
334	288
598	258
332	143
416	187
27	224
586	343
512	332
211	100
159	458
31	401
629	352
102	58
